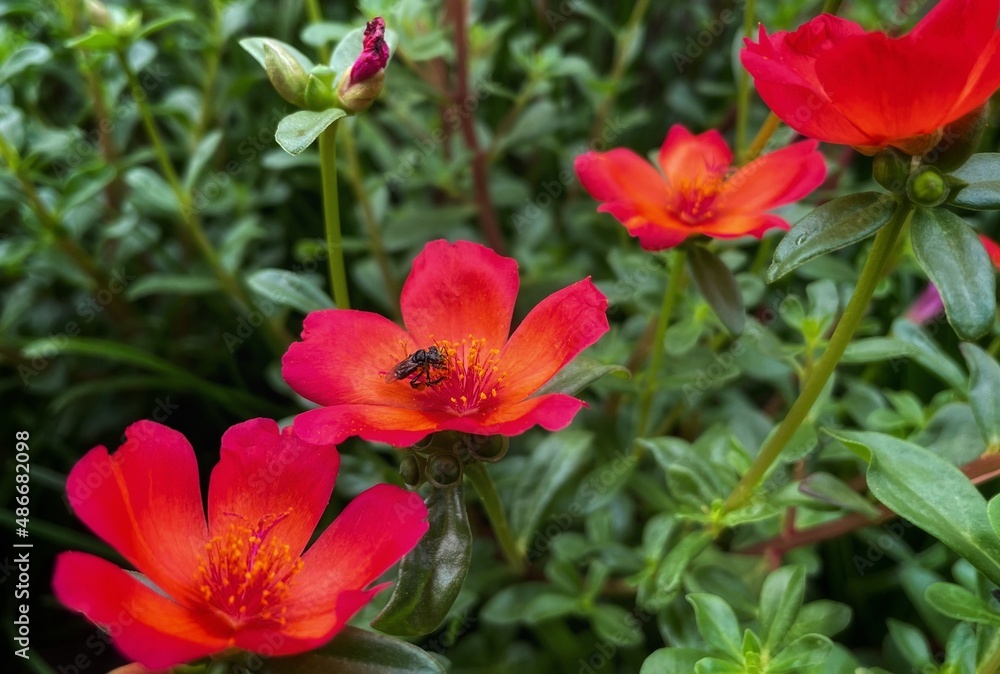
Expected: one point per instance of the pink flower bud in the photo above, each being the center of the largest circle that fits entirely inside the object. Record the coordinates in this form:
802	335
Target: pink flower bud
374	54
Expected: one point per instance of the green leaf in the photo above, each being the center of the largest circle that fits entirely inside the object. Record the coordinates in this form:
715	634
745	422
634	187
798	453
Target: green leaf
25	56
200	158
580	373
357	651
255	47
822	616
298	130
431	575
984	392
805	651
717	624
718	286
97	39
615	625
551	465
159	283
829	489
954	258
289	289
157	25
981	173
956	602
877	350
911	643
928	354
780	599
718	666
830	227
529	603
667	660
931	493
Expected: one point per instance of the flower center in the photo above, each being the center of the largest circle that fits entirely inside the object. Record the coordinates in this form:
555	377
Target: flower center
694	200
474	376
245	572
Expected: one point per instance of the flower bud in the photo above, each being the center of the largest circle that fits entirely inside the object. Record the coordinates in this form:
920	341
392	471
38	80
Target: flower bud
287	75
890	169
489	448
444	470
409	470
362	84
927	187
959	140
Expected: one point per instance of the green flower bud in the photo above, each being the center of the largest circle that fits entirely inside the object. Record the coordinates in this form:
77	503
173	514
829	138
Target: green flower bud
444	470
409	470
927	187
319	94
359	96
490	448
890	169
287	75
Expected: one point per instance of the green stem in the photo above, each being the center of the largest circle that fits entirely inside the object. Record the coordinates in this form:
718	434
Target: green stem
743	85
767	129
656	351
316	16
331	215
827	363
480	478
992	661
832	6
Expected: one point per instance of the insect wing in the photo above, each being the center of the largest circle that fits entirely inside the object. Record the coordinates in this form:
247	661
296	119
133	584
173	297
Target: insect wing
402	370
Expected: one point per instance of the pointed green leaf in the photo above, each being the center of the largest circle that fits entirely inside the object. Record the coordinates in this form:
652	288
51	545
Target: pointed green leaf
805	651
930	492
255	47
159	283
830	227
929	354
200	158
780	600
911	643
672	660
984	392
25	56
157	25
580	373
718	286
298	130
551	465
956	602
717	624
356	651
616	625
431	575
289	289
830	489
981	173
954	258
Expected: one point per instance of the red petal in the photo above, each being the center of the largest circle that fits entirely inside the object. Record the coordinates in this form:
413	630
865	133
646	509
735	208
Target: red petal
396	426
372	533
344	356
983	80
456	290
688	158
992	249
144	625
619	175
553	412
775	179
737	225
145	501
264	472
912	91
658	236
551	335
969	23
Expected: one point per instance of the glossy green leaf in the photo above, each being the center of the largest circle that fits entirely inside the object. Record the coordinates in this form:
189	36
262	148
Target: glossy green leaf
672	660
830	227
580	373
431	575
805	651
984	392
25	56
298	130
829	489
718	666
171	284
255	47
950	251
931	493
550	466
981	173
928	353
780	599
355	651
717	623
289	289
673	566
911	643
877	349
822	616
957	602
718	286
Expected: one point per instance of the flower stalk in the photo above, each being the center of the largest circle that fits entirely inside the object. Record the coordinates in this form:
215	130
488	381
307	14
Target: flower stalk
487	489
331	216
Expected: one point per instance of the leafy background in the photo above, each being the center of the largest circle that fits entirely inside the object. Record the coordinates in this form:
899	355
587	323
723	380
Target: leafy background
110	315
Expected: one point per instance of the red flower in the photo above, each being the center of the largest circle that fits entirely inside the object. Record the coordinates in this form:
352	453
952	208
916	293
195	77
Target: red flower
698	192
832	81
374	54
459	299
240	579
